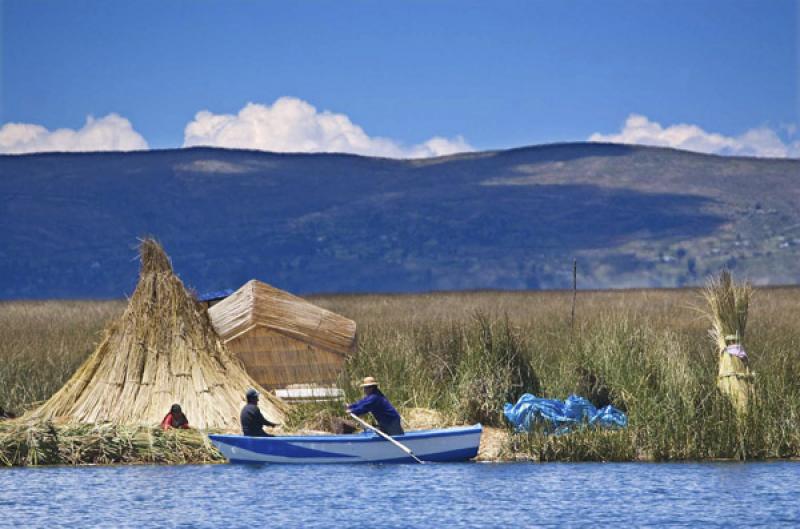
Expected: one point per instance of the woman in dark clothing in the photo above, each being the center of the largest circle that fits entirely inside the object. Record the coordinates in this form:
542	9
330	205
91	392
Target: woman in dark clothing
175	419
376	403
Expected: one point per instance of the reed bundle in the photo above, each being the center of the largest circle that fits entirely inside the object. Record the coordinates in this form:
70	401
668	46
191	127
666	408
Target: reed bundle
48	443
162	350
728	303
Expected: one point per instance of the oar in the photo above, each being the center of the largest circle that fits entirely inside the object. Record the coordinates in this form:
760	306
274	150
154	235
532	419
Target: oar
398	444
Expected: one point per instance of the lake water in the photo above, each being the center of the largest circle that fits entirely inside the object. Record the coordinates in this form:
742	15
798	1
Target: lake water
444	495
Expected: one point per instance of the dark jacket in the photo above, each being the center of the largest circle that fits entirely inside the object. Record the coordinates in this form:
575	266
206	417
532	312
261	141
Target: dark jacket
253	421
380	407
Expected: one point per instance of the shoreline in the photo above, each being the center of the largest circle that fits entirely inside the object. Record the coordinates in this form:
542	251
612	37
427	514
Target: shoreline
47	444
447	360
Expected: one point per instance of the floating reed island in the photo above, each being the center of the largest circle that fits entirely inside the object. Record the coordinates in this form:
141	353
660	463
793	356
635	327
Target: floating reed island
443	359
33	443
162	350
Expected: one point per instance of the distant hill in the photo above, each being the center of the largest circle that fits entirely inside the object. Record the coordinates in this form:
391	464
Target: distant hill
513	219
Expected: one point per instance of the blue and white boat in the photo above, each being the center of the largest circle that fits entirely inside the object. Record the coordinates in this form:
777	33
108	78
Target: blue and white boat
443	445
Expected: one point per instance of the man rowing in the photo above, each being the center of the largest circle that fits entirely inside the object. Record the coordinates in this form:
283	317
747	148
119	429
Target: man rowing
378	405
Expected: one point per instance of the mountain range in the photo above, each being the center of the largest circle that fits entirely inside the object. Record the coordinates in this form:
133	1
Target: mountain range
632	216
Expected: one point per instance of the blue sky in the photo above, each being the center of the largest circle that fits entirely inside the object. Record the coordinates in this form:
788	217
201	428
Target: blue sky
479	75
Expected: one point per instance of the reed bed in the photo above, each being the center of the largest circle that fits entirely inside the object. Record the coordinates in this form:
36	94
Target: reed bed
464	354
43	343
644	351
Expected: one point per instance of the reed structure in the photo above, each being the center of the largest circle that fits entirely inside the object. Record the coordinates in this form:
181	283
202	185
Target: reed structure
728	304
162	350
282	339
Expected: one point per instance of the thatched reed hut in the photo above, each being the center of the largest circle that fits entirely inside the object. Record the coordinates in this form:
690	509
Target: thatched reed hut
162	350
282	339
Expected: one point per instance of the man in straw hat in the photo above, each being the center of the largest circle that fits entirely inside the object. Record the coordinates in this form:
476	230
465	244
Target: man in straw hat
378	405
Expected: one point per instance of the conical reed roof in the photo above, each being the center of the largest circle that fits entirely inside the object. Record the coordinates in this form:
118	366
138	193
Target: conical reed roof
162	350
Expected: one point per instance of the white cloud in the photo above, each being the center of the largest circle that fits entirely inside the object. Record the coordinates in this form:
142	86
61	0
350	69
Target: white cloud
293	125
760	141
109	133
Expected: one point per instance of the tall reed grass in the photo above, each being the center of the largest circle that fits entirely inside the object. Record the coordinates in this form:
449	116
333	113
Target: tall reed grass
465	354
466	368
43	343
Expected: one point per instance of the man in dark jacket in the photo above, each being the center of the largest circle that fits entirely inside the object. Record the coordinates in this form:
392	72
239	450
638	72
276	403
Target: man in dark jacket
252	419
376	403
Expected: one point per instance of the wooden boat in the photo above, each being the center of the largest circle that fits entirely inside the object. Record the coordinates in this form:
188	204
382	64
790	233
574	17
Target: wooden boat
442	445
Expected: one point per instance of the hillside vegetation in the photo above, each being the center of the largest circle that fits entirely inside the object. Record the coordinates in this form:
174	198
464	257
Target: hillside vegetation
515	219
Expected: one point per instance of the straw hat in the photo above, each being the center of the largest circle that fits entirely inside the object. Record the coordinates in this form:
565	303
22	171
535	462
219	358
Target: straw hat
369	381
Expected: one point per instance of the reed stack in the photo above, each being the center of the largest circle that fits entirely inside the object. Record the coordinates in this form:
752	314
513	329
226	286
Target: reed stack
162	350
728	303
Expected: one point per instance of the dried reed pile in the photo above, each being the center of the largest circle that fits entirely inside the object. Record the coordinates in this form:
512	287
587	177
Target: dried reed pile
728	304
162	350
45	443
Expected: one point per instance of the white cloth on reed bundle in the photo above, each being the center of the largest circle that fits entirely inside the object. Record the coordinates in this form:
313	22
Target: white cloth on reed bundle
737	351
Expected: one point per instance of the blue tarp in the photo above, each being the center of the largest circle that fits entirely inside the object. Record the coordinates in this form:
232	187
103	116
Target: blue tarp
561	417
213	296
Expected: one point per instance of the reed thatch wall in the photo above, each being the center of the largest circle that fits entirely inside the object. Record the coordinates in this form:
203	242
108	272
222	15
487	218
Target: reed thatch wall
276	360
162	350
281	338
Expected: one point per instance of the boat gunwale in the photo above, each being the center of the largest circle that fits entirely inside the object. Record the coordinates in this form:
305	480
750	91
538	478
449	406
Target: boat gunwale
461	458
360	437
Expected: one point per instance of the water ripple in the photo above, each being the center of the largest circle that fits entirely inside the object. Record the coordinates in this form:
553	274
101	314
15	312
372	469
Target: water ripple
403	496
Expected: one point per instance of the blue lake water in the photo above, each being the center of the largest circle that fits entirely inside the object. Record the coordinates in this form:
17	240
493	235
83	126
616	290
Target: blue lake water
387	496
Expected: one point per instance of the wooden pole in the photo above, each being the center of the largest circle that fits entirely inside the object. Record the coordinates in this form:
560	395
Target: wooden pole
574	291
398	444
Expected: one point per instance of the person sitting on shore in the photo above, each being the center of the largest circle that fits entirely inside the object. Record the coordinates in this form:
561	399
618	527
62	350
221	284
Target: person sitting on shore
175	419
378	405
252	419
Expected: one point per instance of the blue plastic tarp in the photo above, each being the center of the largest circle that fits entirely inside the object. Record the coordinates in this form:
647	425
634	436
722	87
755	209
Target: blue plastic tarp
217	294
561	417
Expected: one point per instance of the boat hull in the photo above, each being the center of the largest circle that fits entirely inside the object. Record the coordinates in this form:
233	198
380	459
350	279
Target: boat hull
445	445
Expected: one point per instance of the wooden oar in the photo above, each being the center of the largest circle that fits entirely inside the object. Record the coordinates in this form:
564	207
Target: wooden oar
398	444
